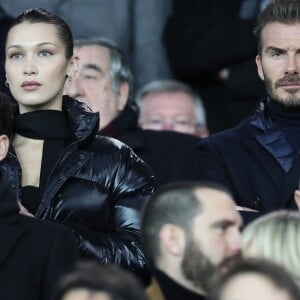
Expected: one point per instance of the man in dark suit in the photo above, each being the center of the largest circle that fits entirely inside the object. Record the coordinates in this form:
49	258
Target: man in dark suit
259	159
103	81
33	253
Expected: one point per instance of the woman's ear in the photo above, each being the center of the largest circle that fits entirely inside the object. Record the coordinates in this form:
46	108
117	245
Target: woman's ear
73	67
4	145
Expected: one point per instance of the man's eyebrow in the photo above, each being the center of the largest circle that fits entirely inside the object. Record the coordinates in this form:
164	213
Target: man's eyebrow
93	67
224	223
273	48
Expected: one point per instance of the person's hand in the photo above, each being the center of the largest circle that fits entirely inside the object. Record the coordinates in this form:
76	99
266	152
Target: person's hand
24	211
297	198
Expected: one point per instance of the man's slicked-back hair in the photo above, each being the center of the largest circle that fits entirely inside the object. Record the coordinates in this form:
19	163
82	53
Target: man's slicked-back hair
40	15
119	69
7	111
282	11
174	203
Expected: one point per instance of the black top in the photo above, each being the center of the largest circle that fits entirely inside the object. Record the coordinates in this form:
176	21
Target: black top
172	290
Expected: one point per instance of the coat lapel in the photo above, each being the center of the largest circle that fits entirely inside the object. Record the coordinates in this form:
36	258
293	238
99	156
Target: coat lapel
252	144
274	141
268	135
277	145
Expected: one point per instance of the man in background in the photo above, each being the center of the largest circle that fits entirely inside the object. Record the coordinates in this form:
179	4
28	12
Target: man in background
171	105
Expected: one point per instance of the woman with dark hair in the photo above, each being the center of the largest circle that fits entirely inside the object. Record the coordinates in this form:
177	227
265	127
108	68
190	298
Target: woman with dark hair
93	184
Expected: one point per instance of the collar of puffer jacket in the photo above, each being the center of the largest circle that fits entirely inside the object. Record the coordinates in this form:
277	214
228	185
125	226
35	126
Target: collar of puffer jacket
84	123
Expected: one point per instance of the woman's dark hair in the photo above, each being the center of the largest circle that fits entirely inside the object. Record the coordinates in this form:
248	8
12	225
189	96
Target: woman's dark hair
40	15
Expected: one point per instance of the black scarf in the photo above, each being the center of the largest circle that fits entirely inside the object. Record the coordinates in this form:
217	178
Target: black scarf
43	124
51	126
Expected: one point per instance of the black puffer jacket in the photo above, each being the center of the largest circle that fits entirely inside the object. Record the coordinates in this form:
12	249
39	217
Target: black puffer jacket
97	188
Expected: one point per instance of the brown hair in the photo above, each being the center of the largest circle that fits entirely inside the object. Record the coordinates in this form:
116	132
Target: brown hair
282	11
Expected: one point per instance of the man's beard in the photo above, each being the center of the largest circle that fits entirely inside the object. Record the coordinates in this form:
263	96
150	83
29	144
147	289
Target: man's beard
292	100
198	268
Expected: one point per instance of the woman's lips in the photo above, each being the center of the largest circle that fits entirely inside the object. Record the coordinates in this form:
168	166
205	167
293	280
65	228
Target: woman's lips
30	85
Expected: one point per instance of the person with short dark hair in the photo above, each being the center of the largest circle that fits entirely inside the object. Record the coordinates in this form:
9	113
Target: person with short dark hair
254	278
258	159
188	229
90	280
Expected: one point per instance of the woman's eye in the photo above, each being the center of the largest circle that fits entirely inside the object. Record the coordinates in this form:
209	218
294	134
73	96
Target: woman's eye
44	53
16	56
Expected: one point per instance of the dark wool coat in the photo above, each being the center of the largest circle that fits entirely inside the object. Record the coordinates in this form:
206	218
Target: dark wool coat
255	161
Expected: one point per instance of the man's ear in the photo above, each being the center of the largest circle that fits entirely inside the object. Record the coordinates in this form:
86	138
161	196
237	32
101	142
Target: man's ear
259	67
123	96
4	144
172	239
